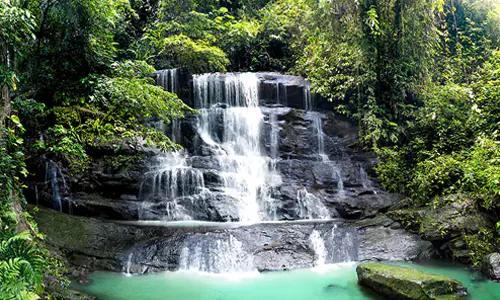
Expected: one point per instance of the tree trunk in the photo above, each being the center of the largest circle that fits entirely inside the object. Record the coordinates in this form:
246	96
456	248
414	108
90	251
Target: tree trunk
4	88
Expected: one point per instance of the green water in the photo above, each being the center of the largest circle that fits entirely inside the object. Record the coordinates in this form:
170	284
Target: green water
337	282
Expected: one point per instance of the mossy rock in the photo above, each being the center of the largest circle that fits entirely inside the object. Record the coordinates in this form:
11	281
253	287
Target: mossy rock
410	218
455	215
401	283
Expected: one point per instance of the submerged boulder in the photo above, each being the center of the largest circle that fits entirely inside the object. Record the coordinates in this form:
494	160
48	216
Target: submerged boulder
491	266
401	283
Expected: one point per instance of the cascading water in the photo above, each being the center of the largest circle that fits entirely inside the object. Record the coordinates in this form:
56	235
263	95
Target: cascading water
172	181
310	207
51	172
169	80
341	244
337	245
129	264
233	99
318	245
318	127
218	254
229	126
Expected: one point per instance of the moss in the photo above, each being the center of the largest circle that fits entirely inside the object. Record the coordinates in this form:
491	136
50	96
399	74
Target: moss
396	282
411	218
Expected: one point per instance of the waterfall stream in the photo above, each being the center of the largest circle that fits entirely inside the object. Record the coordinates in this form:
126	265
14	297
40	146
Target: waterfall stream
232	173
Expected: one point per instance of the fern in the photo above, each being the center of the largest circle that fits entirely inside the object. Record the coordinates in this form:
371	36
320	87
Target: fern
20	268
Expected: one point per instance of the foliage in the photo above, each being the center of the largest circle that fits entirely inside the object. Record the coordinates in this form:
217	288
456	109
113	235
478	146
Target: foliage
480	245
115	114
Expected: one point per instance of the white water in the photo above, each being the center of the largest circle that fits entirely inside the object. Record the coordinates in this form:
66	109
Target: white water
310	207
171	179
229	124
51	177
169	80
318	245
129	263
215	255
244	167
336	171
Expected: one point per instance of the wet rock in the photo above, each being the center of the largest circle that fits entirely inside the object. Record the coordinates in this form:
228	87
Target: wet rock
491	266
394	282
446	225
381	243
92	244
365	205
280	256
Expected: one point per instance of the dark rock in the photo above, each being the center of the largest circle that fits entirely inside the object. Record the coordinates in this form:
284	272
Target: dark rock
451	220
491	266
83	281
120	247
380	243
394	282
445	226
76	295
280	256
365	205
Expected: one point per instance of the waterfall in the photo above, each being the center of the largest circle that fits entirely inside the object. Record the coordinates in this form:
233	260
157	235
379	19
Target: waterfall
51	177
341	244
318	245
336	171
310	207
273	120
308	104
170	180
169	80
215	254
229	125
318	127
233	99
365	181
129	263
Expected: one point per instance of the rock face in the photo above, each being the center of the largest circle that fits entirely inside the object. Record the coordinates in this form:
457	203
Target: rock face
491	266
303	154
262	148
446	225
400	283
138	248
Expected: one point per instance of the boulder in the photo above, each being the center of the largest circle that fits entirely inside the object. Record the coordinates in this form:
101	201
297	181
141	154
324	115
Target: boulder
378	242
451	220
491	266
446	225
401	283
365	204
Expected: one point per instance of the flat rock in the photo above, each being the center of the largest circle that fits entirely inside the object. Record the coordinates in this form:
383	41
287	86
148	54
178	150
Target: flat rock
401	283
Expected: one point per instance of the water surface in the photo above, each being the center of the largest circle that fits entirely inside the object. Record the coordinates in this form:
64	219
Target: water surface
329	282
